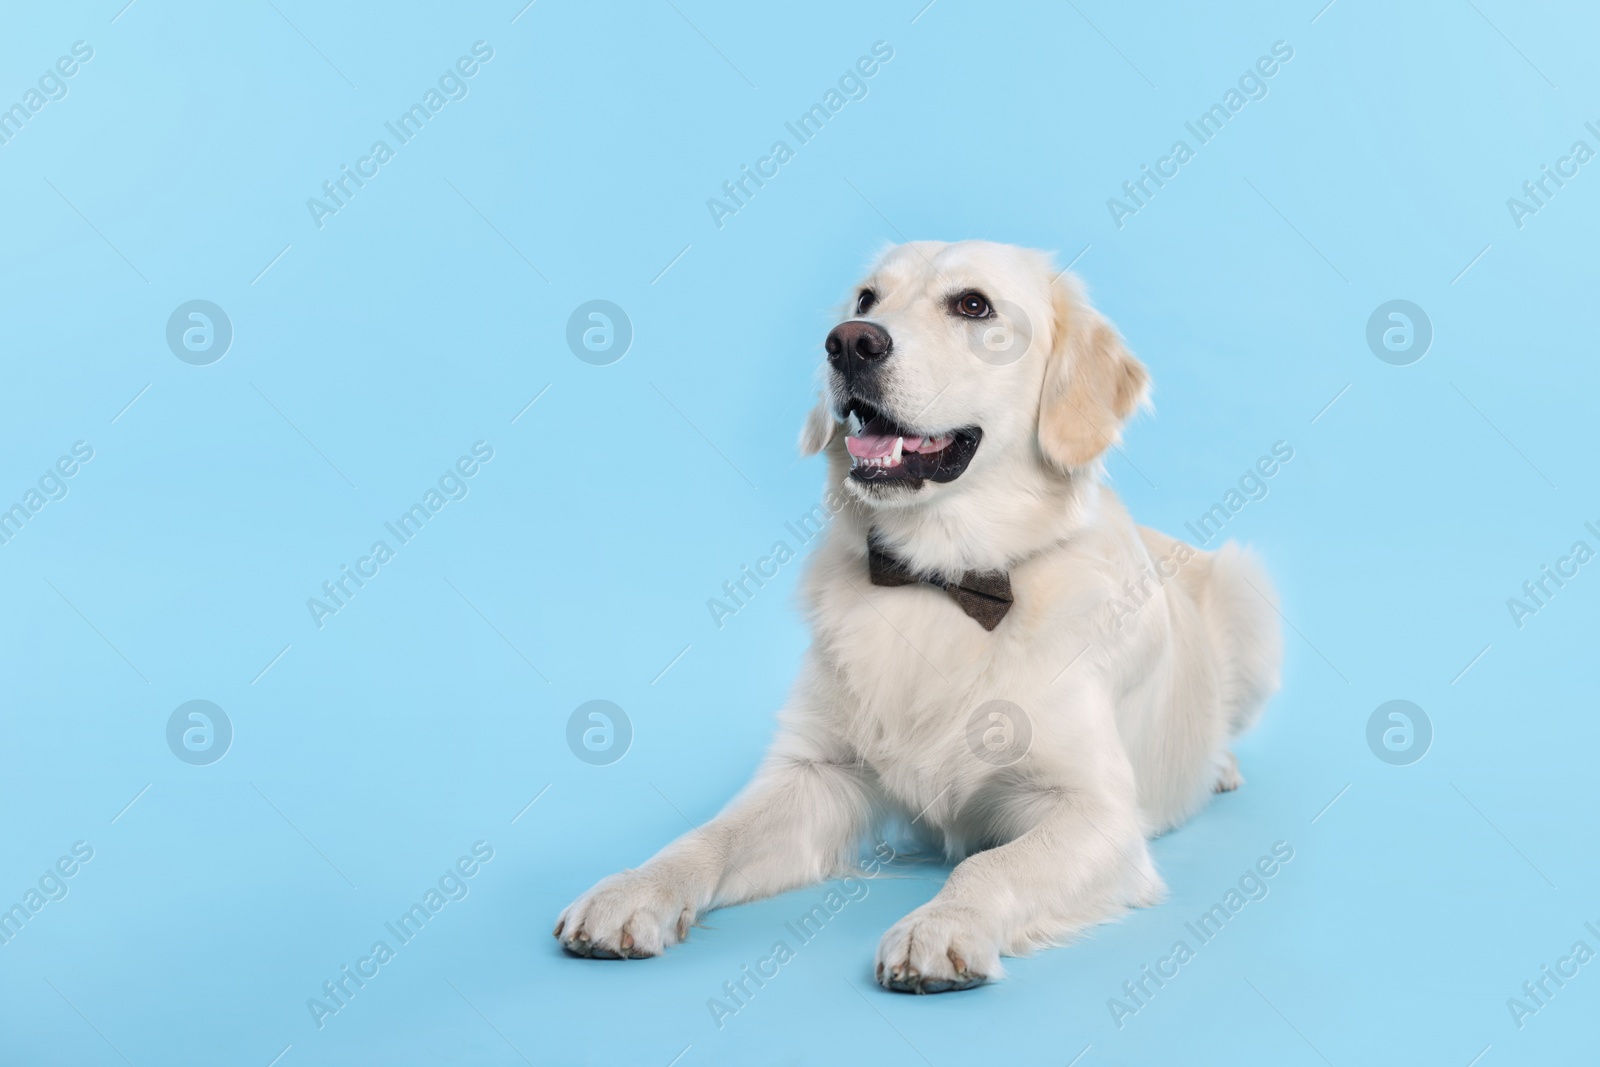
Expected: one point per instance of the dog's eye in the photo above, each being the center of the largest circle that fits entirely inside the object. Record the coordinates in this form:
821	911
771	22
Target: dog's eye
865	301
972	304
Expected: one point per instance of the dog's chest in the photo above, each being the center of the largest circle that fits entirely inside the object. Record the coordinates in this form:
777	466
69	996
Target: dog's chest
932	700
941	708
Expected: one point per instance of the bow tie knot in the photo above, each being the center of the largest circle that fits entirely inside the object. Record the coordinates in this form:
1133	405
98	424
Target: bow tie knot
984	595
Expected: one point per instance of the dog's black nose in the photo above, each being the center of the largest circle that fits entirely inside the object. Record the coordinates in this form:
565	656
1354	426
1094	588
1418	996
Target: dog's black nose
856	346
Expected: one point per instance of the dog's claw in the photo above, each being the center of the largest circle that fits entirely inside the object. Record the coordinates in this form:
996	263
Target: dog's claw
629	916
1229	777
907	966
910	981
907	979
581	945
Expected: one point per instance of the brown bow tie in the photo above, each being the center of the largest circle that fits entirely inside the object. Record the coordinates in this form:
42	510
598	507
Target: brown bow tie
983	595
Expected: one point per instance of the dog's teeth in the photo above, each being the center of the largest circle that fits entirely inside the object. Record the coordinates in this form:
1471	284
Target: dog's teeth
899	446
855	424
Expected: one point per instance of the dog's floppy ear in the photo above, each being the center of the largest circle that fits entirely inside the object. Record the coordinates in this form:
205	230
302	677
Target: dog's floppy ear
1091	383
818	430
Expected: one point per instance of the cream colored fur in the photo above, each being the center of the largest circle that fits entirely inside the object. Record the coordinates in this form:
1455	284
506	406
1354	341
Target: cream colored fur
1132	698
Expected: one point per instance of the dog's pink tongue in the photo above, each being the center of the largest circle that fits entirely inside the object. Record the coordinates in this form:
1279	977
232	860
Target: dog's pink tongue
870	446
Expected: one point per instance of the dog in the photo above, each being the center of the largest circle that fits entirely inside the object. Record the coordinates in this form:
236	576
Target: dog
1001	658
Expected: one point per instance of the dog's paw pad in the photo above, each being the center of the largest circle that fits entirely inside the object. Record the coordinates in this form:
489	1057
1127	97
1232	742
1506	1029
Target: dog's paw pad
629	916
936	949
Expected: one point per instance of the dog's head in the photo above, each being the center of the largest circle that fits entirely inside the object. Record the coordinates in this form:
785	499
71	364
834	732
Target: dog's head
962	362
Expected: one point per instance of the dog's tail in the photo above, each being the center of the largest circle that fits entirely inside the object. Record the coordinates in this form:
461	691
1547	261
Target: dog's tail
1240	607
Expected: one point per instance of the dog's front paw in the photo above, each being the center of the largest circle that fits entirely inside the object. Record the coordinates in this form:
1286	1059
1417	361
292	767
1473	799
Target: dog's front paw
938	948
630	915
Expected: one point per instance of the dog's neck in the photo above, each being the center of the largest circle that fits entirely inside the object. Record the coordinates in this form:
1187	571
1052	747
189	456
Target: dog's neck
985	526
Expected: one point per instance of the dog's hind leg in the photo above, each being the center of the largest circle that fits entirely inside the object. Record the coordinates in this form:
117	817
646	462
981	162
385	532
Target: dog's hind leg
1228	776
1240	608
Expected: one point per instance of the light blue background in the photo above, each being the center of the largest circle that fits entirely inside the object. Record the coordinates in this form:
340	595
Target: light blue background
429	712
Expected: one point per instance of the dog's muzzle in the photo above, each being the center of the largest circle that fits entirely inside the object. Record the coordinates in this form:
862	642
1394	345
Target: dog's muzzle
882	451
857	349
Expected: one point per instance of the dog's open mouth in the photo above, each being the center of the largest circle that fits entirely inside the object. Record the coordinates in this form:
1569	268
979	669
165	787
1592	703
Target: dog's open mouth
881	450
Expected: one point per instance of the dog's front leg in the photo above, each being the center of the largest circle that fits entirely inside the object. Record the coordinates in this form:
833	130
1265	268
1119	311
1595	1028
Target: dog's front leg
1082	859
800	820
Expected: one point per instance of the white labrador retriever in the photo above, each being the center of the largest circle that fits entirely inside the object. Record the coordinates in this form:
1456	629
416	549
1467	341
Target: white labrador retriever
1001	657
